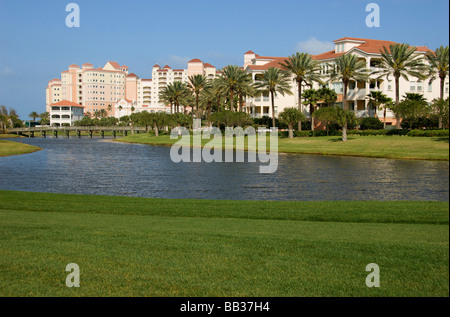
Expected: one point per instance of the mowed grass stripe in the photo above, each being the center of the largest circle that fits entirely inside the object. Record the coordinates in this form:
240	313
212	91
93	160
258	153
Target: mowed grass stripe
129	255
420	212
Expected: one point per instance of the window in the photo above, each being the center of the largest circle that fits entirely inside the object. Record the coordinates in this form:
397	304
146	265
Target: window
430	86
419	85
412	86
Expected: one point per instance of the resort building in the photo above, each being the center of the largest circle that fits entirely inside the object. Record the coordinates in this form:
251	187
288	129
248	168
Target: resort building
367	50
113	87
52	93
65	113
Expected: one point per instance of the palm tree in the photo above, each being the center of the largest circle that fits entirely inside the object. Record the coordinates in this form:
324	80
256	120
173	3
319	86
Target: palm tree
174	94
439	66
34	115
96	114
232	78
197	84
275	80
379	100
312	97
328	96
45	116
399	60
103	113
290	116
346	68
305	70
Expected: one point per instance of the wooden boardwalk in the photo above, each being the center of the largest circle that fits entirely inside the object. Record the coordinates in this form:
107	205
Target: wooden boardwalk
44	130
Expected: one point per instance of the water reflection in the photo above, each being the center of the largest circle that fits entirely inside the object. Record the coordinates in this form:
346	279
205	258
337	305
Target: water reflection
103	167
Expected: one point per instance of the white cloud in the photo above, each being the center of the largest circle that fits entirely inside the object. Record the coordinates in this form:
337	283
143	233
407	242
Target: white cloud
314	46
6	71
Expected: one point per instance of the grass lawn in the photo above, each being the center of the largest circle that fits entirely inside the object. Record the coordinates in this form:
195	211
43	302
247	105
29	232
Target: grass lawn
128	246
10	136
14	148
395	147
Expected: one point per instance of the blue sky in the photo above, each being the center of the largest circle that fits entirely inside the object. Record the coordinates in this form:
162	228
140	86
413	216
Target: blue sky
36	45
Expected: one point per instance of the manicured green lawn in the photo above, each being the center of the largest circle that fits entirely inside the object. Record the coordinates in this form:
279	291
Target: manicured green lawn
9	136
14	148
128	246
395	147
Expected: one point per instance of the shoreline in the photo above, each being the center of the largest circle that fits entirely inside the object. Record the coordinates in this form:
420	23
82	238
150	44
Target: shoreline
17	149
286	151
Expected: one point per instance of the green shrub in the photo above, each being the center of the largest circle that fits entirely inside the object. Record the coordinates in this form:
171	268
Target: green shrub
370	123
428	133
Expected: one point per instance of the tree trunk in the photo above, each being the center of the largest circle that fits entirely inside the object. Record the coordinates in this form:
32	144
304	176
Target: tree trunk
196	106
397	100
384	117
441	125
311	111
155	127
273	108
299	84
344	128
291	131
231	100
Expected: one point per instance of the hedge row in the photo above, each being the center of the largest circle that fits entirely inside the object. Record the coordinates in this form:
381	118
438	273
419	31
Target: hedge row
412	133
429	133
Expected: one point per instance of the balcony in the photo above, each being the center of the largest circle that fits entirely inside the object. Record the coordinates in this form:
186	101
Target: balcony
357	94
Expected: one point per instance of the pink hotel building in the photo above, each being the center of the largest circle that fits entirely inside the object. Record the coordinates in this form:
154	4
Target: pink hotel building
97	88
117	91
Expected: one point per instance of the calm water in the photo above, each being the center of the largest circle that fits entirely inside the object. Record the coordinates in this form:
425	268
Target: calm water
103	167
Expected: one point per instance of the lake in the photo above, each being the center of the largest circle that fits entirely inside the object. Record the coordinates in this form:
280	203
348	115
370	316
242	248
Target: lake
104	167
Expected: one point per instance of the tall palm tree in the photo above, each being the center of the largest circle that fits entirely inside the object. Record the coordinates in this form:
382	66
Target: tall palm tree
345	69
312	97
34	115
175	93
275	80
197	83
379	100
400	60
305	70
439	66
232	77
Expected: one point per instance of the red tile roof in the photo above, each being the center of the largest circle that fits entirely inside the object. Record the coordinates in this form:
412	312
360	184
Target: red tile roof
249	52
132	75
114	64
156	65
74	65
207	65
66	103
167	66
327	55
195	60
